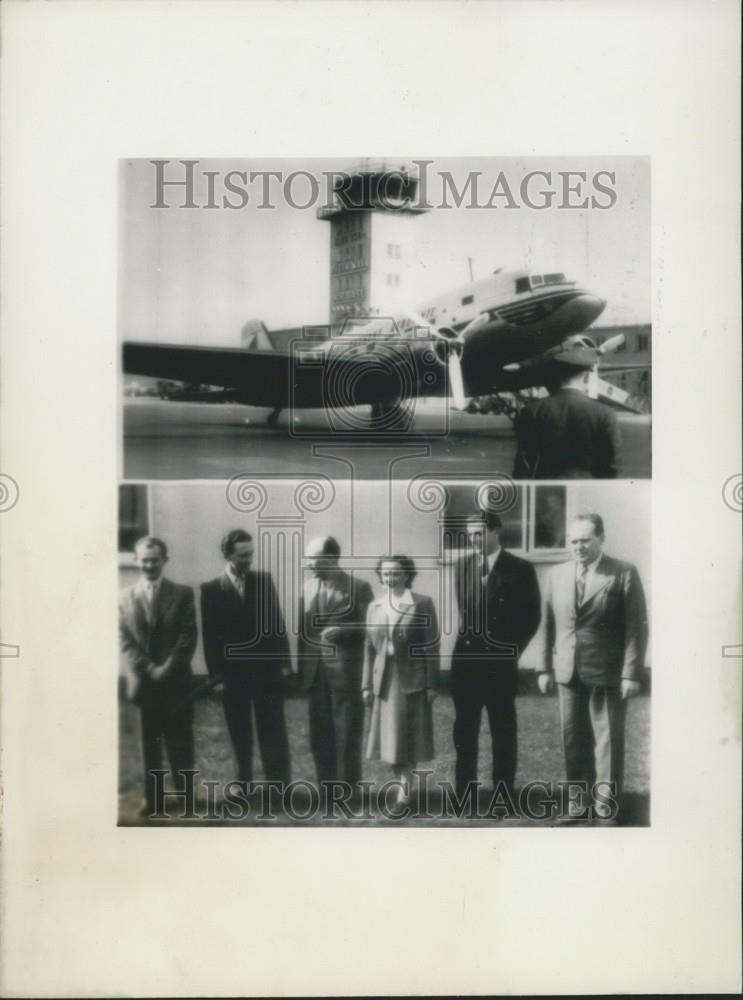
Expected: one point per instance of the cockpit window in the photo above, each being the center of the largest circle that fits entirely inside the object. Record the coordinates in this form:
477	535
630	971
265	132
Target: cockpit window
522	285
536	279
467	299
554	279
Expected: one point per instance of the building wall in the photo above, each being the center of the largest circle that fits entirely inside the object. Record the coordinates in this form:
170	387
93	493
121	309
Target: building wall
393	261
637	349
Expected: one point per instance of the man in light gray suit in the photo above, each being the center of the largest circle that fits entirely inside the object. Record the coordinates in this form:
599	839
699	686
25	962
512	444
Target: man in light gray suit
157	629
594	638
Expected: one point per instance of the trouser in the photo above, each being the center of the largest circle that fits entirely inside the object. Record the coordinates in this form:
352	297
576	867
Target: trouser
174	727
484	685
592	718
336	726
243	697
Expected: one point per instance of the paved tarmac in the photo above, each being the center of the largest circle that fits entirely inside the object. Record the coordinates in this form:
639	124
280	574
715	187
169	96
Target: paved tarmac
178	440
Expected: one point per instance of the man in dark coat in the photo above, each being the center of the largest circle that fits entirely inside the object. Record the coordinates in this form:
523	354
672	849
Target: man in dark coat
499	611
247	651
568	435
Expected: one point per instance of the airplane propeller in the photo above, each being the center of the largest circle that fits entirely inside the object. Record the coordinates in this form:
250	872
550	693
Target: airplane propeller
456	382
611	344
456	343
553	354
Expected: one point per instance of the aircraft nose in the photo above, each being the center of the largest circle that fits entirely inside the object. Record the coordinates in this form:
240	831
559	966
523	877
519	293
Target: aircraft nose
578	312
583	310
593	305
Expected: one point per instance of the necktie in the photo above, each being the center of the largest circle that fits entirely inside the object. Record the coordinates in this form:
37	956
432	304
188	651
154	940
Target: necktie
149	593
580	585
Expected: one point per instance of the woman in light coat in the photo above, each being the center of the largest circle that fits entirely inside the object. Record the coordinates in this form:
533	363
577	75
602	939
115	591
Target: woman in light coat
401	670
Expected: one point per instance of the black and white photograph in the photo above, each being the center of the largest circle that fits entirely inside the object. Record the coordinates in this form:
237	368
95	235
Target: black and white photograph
370	653
424	357
370	498
468	315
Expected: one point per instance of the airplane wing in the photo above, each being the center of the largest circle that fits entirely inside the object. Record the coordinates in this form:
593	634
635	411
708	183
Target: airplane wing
261	375
627	367
349	374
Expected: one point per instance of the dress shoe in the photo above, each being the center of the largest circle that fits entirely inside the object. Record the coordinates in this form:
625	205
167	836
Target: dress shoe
603	815
576	813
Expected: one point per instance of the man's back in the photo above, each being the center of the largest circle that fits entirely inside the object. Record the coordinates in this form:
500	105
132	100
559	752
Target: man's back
568	436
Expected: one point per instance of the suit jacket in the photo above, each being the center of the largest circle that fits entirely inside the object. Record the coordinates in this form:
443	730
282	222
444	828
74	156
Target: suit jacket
346	610
604	640
567	436
500	616
415	640
253	626
166	637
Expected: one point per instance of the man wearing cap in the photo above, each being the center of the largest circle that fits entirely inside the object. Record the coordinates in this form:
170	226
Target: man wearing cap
332	620
568	435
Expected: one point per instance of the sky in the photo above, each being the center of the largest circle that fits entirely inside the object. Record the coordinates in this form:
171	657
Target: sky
196	275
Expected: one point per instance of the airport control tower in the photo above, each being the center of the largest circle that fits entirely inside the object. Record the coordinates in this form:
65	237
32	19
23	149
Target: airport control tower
372	249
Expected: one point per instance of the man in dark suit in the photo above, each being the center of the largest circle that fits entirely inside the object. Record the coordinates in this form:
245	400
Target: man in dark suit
594	639
332	618
498	598
247	653
568	435
157	629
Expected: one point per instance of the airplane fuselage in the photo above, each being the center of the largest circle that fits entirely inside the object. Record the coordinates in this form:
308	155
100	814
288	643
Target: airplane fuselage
521	315
510	317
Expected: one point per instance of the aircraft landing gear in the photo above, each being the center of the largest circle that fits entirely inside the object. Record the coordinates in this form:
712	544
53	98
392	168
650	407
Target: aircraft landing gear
498	404
272	420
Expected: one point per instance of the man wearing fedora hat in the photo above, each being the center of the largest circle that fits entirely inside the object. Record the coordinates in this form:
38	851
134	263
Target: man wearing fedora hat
568	435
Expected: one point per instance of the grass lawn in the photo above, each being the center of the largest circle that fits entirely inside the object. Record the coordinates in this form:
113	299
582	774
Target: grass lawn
540	756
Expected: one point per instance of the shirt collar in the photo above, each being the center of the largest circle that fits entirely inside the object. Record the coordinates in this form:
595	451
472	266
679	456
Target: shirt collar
238	582
398	603
150	586
492	558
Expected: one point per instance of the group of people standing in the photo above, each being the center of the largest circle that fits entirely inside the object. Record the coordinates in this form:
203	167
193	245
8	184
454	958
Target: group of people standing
358	651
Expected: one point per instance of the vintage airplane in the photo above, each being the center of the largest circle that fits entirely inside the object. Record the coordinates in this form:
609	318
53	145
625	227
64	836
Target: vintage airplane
502	334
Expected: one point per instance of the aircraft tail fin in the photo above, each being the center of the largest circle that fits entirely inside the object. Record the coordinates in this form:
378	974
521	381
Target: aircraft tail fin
614	396
254	336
